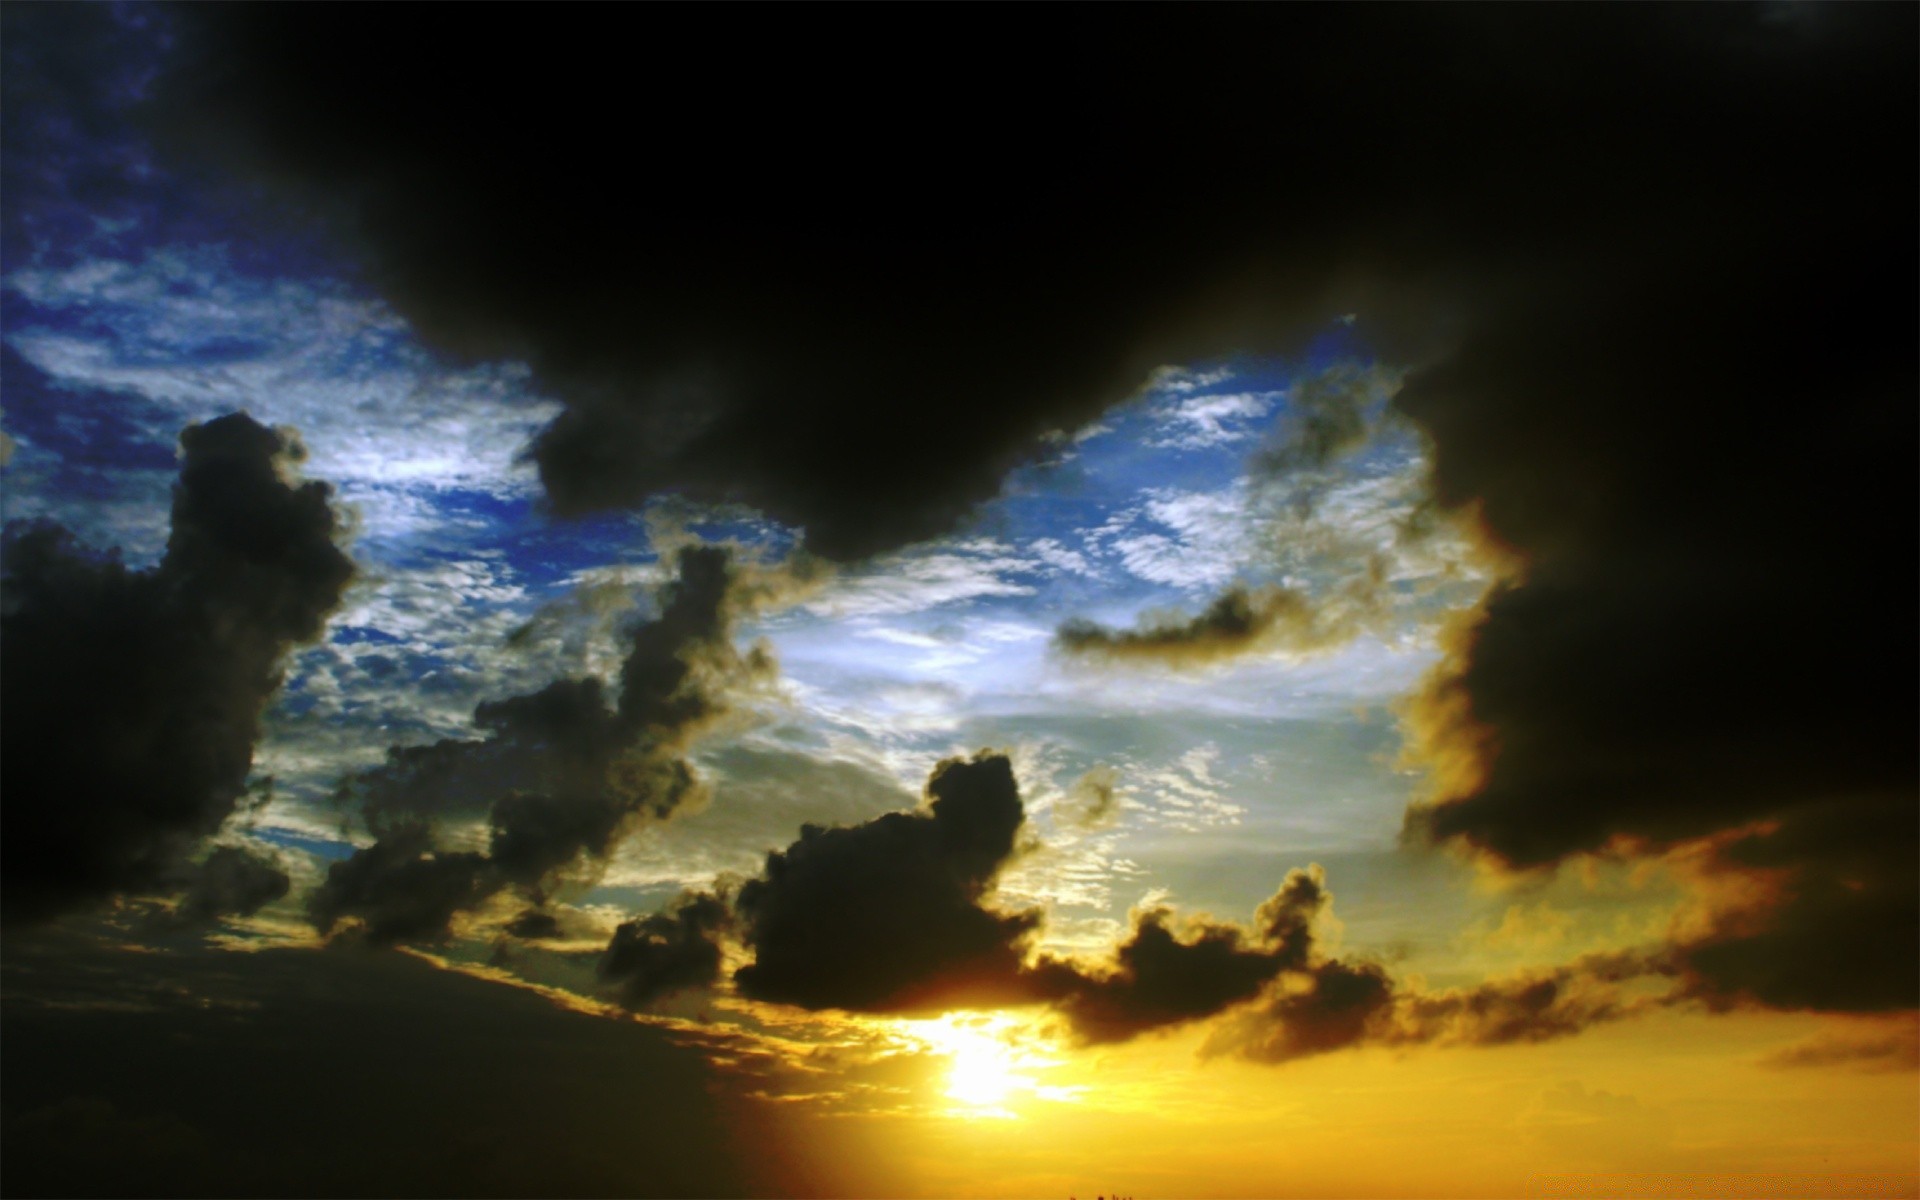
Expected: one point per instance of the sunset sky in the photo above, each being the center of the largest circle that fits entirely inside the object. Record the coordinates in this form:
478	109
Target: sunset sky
1282	601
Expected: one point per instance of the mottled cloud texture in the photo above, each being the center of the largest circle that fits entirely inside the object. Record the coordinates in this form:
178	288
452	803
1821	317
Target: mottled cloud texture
561	775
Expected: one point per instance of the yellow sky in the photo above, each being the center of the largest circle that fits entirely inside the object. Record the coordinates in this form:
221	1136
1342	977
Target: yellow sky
1674	1104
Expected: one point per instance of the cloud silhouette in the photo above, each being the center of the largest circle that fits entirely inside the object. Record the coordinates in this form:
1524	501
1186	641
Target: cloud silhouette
886	916
133	698
788	308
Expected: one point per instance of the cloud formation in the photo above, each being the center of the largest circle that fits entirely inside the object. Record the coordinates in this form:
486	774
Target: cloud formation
232	881
200	1072
886	916
1709	642
561	775
1354	544
1160	978
894	915
1321	1003
718	330
1652	267
133	698
1240	621
666	952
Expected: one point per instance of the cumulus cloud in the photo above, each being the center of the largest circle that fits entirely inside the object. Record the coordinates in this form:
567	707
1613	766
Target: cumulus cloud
233	881
897	915
1158	977
667	952
886	916
133	698
562	774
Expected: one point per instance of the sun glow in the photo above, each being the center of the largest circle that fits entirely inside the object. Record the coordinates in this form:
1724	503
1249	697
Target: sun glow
992	1061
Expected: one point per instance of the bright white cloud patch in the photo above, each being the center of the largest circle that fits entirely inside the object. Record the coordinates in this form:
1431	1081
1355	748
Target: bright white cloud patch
1202	420
916	581
1182	539
382	419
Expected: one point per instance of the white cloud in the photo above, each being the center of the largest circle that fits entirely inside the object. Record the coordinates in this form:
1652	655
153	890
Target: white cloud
382	419
1182	380
1050	551
1184	795
1181	538
1201	420
917	581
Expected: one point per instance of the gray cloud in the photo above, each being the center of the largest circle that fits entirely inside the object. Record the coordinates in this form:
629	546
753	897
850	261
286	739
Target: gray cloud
133	698
1241	620
887	915
666	952
562	775
1159	978
199	1072
233	881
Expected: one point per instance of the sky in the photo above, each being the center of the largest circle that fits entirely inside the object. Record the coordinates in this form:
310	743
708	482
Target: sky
1284	601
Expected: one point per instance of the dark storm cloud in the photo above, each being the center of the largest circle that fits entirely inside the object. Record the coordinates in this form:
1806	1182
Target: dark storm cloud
196	1072
232	881
133	698
1711	632
1839	930
787	305
669	951
403	887
562	774
1655	265
886	916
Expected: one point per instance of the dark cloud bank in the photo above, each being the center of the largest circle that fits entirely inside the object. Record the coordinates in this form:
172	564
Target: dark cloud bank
346	1073
792	300
1653	266
132	699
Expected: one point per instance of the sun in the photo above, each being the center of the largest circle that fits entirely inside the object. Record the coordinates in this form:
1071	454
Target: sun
983	1072
989	1060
